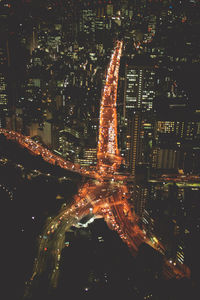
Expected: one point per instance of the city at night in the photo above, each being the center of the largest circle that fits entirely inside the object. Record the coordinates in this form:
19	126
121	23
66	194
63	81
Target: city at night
100	149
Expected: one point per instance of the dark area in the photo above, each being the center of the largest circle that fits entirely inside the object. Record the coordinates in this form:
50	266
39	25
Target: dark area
27	199
96	263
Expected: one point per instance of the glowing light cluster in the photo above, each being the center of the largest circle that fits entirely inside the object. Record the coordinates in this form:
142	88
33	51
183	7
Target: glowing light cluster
108	151
46	154
108	198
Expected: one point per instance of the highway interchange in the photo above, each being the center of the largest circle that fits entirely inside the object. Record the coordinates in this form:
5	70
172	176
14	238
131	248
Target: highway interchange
105	194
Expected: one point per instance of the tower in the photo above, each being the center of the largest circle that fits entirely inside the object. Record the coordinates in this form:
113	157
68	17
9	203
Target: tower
3	84
138	102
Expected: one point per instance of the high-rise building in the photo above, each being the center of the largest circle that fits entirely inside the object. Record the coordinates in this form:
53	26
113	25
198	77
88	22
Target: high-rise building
89	157
48	135
133	145
139	93
166	159
70	145
87	21
140	199
176	145
189	130
3	86
140	88
172	211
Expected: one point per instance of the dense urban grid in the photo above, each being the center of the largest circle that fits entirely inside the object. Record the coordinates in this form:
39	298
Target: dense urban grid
100	148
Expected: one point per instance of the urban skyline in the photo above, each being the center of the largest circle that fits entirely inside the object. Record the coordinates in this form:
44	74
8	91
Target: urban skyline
99	104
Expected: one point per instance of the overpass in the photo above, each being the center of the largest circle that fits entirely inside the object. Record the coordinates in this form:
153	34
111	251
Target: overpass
106	196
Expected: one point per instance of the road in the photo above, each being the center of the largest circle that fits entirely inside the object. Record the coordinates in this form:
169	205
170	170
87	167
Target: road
38	150
106	194
108	155
94	197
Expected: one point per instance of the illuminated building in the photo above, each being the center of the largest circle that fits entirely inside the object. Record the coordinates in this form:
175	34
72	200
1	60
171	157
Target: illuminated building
189	130
87	21
140	199
33	96
70	143
94	22
139	93
172	212
69	20
48	134
15	121
166	158
133	154
138	99
33	42
89	157
3	98
3	87
100	24
138	102
170	127
176	145
109	10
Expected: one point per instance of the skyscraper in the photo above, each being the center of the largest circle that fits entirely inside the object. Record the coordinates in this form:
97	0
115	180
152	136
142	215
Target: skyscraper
138	102
3	85
139	92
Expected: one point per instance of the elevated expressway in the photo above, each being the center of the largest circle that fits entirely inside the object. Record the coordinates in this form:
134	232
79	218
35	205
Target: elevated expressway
38	150
105	194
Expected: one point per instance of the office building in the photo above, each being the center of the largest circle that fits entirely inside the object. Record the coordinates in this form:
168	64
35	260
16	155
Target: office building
3	84
140	88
